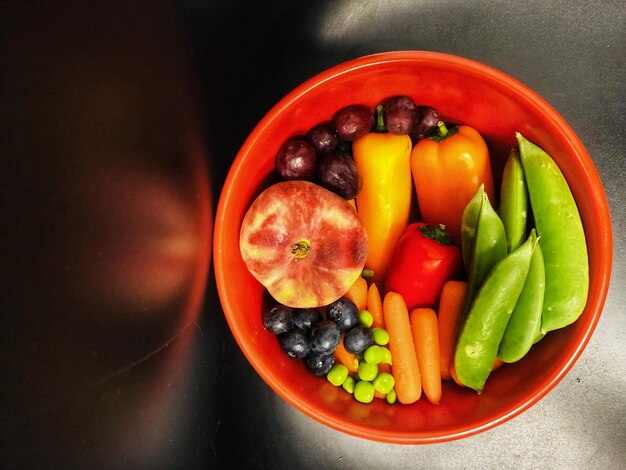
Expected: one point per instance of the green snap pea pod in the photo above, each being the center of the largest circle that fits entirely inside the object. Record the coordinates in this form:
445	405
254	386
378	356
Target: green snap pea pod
562	237
468	226
488	248
522	329
514	202
484	326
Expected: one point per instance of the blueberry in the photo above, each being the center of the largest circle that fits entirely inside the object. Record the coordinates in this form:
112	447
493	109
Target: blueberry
305	318
320	364
278	319
358	339
324	337
344	312
294	343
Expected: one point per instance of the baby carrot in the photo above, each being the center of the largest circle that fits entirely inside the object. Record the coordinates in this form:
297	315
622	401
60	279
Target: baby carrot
346	357
358	293
375	306
378	394
454	376
405	368
450	307
426	339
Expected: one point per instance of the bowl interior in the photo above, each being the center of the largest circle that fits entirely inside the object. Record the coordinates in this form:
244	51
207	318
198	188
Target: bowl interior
462	91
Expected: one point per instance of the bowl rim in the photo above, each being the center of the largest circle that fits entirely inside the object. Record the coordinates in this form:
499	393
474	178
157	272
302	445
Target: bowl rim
466	65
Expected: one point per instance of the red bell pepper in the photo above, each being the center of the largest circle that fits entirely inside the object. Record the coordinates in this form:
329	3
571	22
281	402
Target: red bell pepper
424	258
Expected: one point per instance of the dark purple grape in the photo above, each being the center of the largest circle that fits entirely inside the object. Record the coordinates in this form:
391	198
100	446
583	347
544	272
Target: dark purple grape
296	160
320	364
294	343
323	138
344	312
353	122
358	339
338	173
344	147
305	318
399	115
324	337
426	124
278	319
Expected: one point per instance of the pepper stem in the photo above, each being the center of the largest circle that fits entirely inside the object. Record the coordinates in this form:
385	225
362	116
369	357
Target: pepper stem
442	129
437	234
443	132
301	249
380	122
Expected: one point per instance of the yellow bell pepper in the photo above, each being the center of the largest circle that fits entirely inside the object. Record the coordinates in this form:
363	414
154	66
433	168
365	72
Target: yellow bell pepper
384	203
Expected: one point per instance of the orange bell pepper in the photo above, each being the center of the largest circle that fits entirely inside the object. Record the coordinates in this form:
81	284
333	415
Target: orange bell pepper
447	169
384	203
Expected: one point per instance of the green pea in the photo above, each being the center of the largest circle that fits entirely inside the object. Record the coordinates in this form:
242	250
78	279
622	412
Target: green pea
384	382
381	337
386	355
373	354
487	248
364	391
488	316
523	327
367	371
365	318
562	237
348	384
337	374
513	208
391	396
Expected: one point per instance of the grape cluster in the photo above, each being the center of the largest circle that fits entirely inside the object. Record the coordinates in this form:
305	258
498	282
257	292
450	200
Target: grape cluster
324	154
320	156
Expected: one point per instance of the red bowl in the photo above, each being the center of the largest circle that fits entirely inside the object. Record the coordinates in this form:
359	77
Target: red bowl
463	91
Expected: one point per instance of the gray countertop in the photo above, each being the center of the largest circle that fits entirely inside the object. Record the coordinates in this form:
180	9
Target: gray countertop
104	401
